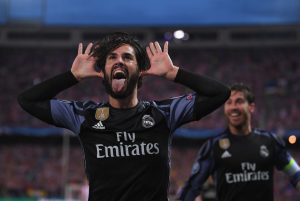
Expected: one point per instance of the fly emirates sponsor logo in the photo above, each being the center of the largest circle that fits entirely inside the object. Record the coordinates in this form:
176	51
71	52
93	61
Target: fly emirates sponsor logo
249	173
124	150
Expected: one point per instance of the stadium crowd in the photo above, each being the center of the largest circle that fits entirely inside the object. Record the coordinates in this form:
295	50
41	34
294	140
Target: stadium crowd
36	169
273	73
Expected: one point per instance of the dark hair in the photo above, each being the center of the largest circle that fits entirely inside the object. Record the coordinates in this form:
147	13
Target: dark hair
241	87
115	40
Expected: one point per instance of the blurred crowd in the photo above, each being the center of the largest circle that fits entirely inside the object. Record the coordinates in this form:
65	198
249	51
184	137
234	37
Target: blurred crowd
38	170
273	74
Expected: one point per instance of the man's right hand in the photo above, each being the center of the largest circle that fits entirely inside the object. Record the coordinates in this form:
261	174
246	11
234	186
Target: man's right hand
84	64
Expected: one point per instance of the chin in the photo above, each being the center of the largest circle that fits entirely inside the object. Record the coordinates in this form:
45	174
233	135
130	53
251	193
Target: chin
237	125
121	95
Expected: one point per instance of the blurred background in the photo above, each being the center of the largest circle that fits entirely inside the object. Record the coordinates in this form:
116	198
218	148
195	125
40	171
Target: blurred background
255	42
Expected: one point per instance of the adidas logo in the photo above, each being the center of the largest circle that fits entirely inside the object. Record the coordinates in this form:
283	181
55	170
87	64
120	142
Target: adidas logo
226	154
99	125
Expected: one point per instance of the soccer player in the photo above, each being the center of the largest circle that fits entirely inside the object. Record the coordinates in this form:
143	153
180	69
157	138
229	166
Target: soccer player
242	158
125	140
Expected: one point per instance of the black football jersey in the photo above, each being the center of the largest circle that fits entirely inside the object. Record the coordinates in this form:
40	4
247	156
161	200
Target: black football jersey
242	166
126	150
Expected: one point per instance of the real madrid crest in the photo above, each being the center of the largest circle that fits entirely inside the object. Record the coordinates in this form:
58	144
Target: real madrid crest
148	121
224	143
102	113
264	152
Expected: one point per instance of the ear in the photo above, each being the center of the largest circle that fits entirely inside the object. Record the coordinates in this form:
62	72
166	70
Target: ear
252	107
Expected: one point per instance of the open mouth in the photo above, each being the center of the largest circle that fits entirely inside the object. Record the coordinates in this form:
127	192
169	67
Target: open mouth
119	74
235	114
119	78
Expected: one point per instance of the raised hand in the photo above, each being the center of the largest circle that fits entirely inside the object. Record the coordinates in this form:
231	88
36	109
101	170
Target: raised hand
84	64
160	61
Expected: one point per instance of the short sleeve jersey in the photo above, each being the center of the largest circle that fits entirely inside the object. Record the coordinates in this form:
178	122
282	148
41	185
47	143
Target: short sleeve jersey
242	166
126	151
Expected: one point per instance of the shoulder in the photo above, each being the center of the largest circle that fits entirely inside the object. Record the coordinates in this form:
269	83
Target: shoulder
221	138
91	104
269	135
83	106
163	105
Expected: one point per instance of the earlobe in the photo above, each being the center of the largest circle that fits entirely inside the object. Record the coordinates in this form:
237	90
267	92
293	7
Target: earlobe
252	107
142	73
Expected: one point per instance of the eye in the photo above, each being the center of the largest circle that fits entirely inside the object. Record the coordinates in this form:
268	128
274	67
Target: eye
128	57
240	101
228	102
111	56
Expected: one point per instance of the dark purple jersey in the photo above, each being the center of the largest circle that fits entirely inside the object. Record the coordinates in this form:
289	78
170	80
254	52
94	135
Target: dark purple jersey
242	166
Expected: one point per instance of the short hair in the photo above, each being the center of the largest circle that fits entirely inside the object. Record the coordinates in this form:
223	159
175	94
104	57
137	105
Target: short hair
241	87
115	40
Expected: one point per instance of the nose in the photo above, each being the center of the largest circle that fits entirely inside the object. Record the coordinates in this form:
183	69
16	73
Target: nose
231	106
118	64
120	60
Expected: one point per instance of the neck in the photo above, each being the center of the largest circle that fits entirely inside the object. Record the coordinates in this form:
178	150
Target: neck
240	130
128	102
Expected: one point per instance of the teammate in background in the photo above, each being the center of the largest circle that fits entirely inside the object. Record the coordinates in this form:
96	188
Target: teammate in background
125	140
242	158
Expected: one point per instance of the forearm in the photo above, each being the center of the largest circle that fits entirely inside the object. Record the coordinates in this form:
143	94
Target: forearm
202	85
36	100
211	93
298	186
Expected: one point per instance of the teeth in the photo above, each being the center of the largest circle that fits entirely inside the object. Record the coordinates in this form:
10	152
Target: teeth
119	70
234	114
119	74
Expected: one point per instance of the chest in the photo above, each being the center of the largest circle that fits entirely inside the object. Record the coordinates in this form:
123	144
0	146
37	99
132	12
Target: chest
250	154
122	134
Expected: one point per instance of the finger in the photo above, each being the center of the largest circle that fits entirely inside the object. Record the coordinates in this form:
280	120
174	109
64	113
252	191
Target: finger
166	47
152	48
88	49
79	48
149	53
157	46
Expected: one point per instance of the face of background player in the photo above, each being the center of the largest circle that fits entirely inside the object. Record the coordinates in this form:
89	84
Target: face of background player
238	110
121	72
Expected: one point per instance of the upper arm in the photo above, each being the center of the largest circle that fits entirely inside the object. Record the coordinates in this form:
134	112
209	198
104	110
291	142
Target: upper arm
203	166
67	114
201	170
285	162
180	110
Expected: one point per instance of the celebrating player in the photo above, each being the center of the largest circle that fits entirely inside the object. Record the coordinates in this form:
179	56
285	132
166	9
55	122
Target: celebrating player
125	140
242	158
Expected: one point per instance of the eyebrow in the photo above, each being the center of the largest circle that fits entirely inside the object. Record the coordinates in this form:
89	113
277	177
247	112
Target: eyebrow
126	54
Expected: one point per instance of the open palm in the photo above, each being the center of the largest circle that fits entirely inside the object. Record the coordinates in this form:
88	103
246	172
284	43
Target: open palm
84	64
160	61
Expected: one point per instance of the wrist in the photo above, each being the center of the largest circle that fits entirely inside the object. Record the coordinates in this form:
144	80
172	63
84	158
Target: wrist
75	75
171	75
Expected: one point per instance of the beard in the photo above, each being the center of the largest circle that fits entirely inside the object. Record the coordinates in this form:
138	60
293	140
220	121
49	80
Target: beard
131	84
240	122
